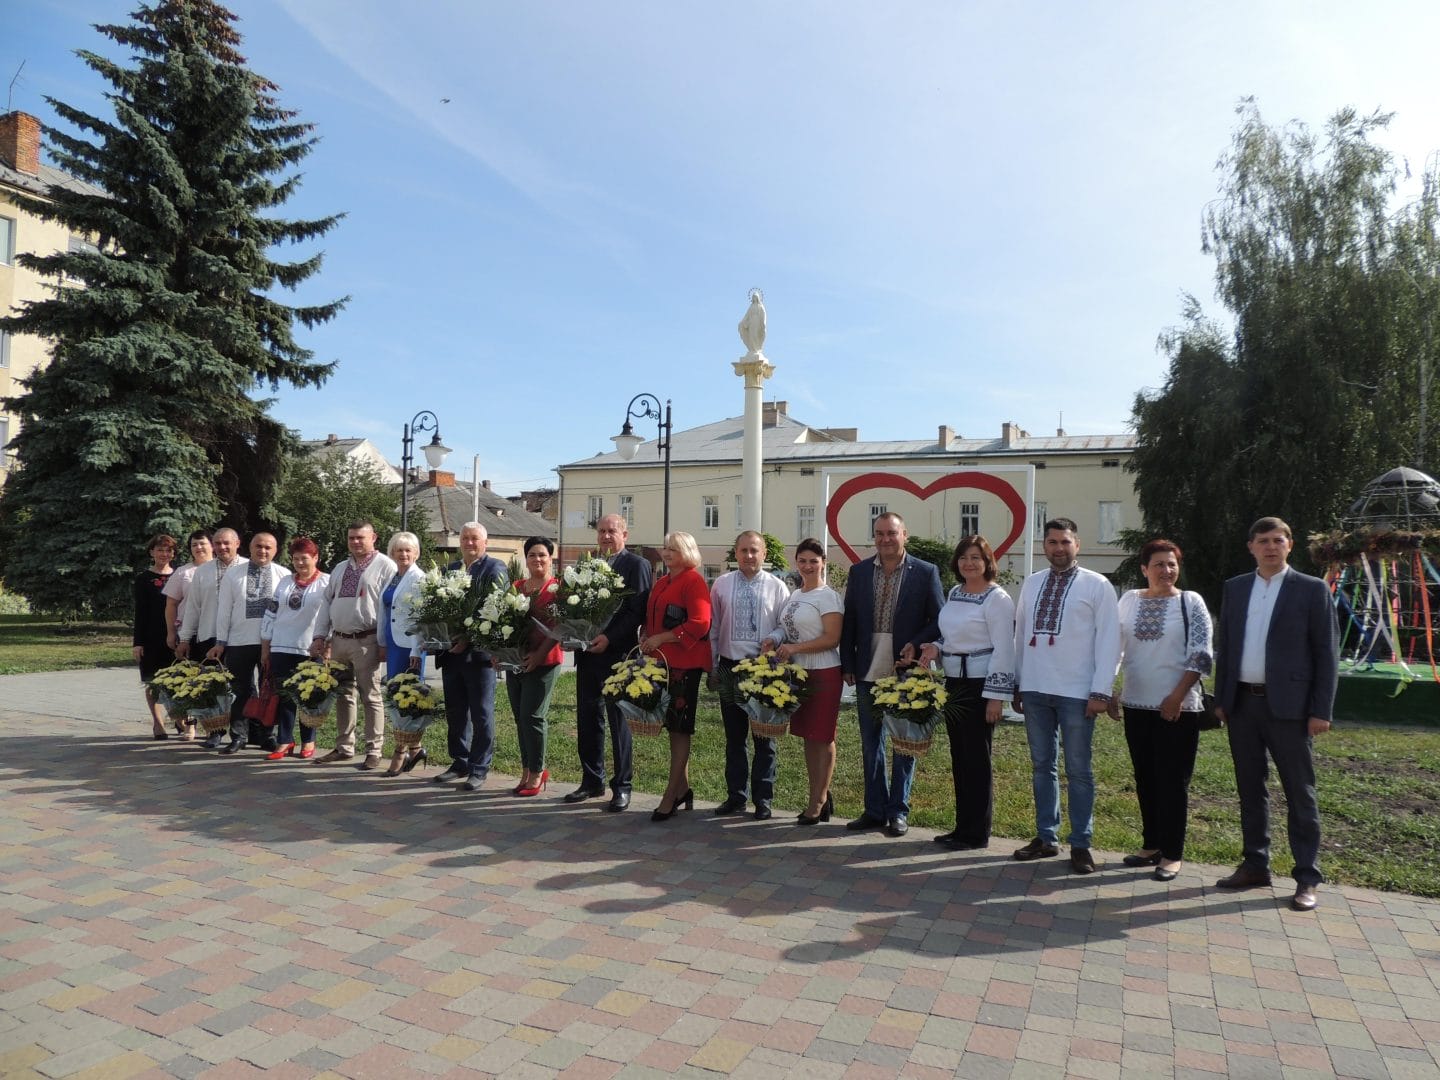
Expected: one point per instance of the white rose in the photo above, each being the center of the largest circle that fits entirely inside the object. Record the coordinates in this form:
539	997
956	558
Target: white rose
604	594
485	627
573	601
469	621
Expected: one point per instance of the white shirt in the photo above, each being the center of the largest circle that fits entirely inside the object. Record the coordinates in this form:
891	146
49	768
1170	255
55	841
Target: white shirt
290	630
358	613
1156	652
177	588
769	594
400	610
802	619
203	599
1257	626
975	622
237	620
1076	655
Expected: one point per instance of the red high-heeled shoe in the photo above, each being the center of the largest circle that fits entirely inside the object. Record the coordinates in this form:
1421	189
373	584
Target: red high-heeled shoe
281	752
540	785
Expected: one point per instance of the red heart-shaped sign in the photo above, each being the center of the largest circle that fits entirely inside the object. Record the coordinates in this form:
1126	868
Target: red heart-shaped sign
876	481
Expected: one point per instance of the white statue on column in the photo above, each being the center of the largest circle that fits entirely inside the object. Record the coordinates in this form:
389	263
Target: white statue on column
754	369
752	326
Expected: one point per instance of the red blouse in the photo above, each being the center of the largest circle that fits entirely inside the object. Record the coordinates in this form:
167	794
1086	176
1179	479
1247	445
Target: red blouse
685	590
542	609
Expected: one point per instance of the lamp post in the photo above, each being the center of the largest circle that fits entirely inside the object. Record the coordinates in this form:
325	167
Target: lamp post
435	452
627	442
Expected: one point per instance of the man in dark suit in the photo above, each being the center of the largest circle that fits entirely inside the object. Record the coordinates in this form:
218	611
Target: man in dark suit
892	608
469	678
1277	666
592	711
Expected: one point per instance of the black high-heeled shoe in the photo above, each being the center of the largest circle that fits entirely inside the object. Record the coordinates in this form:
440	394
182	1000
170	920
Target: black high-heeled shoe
826	809
687	800
415	759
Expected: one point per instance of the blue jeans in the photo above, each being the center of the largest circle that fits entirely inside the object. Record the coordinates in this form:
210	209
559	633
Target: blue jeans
1050	720
469	714
886	797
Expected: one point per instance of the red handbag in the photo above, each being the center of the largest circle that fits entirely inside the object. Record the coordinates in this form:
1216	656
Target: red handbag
263	704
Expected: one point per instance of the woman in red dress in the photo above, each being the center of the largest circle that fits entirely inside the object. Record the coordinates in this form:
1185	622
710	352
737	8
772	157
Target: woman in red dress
529	688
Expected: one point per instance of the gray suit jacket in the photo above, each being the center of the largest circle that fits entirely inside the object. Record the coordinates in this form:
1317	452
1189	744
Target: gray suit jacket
1302	651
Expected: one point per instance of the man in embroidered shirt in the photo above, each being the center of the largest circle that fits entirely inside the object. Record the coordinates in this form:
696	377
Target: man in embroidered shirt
345	626
244	598
1276	670
197	626
744	607
1067	648
892	608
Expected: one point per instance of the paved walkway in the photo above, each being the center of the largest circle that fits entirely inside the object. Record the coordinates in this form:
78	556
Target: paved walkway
164	912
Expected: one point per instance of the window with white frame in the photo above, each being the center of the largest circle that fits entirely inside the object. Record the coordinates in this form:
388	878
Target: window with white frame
710	511
739	513
1109	531
4	349
877	510
7	240
627	510
4	438
1042	515
804	522
969	519
594	509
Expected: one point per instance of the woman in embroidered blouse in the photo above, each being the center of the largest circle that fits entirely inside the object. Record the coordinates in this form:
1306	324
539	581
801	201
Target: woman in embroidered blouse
151	649
529	688
677	628
809	635
977	651
1165	640
286	630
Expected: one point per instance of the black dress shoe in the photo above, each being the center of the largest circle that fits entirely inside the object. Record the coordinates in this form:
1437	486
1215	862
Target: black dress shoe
735	804
449	776
212	742
1304	898
948	839
897	826
1244	877
863	823
1142	860
762	812
582	793
619	801
234	746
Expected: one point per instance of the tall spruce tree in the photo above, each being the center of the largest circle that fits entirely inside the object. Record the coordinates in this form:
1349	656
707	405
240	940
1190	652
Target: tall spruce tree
1323	383
146	418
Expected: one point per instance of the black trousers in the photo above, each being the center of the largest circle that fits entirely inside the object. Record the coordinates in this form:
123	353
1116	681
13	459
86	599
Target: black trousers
592	715
742	778
1163	757
970	741
243	662
1255	732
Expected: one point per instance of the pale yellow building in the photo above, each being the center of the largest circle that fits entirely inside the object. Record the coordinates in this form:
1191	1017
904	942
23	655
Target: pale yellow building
21	172
944	487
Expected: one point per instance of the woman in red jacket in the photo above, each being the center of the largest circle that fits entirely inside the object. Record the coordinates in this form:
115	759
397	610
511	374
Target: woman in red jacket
677	627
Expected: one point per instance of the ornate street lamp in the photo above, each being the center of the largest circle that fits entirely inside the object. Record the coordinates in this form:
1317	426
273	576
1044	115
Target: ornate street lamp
627	442
435	452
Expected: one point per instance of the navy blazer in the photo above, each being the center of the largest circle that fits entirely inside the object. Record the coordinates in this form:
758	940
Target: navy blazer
487	568
917	612
1302	651
623	629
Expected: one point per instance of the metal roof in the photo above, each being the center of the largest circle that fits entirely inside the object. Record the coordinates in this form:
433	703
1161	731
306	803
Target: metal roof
49	177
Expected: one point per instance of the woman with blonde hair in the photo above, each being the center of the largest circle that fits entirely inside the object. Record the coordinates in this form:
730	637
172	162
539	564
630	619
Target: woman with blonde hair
677	629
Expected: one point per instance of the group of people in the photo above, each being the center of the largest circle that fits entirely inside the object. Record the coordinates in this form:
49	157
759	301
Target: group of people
1054	656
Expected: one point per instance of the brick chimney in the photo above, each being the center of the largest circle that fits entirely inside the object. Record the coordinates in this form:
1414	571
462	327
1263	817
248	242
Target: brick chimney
1011	433
485	484
20	142
441	479
947	436
772	411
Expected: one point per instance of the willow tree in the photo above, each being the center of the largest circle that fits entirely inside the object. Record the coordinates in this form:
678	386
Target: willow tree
147	417
1318	384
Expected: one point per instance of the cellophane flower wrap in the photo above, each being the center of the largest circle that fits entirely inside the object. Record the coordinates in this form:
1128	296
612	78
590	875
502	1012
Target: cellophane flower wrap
771	683
910	705
411	703
501	624
313	686
590	592
205	690
165	682
438	609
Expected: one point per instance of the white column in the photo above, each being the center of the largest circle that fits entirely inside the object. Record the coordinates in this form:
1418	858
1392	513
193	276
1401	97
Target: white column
755	369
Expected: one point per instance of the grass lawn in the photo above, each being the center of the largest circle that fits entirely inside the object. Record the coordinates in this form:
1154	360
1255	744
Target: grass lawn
1379	789
45	643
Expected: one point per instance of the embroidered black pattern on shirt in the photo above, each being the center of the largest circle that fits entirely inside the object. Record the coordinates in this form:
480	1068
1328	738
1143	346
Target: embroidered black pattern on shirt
1050	608
1150	615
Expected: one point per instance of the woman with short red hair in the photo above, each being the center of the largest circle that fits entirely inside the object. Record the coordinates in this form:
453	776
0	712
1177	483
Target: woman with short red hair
285	635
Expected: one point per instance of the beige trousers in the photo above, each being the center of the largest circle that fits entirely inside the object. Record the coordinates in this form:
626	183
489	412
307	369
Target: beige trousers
364	657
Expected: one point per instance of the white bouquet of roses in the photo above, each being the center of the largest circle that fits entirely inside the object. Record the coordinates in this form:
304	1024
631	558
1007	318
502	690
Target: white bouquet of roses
590	592
501	625
439	610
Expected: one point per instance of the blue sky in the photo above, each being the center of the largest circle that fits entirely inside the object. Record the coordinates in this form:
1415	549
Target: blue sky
959	213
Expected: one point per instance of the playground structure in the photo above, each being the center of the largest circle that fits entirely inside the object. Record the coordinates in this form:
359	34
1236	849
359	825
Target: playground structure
1384	571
